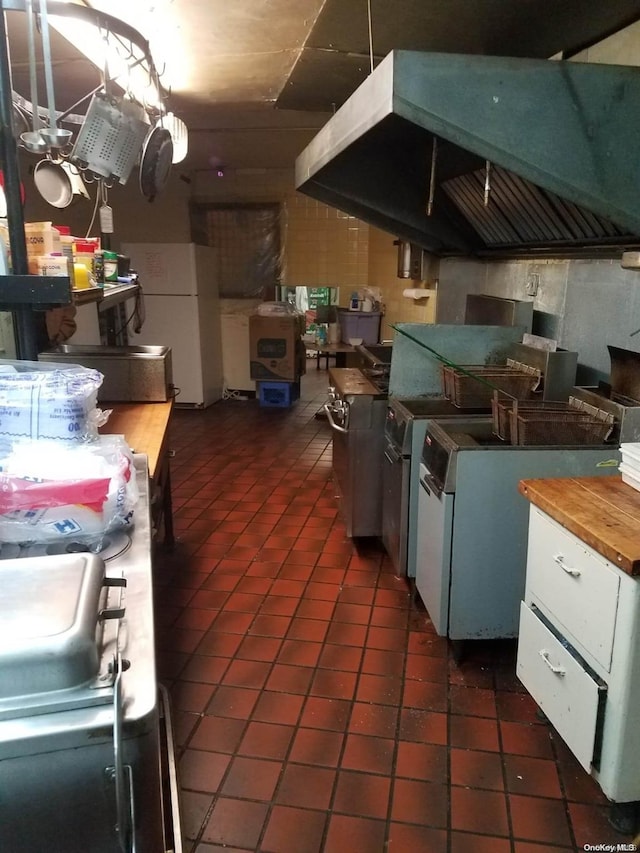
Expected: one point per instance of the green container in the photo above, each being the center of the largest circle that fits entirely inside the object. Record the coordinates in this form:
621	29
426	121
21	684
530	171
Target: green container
110	266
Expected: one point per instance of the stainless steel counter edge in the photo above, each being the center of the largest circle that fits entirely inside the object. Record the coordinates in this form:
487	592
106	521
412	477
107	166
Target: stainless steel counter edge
105	297
115	295
28	735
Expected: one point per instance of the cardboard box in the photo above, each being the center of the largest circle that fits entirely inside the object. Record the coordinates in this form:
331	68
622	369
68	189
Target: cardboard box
276	350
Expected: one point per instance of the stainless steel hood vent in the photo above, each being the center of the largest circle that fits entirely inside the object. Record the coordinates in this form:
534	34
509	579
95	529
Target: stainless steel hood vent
519	212
561	138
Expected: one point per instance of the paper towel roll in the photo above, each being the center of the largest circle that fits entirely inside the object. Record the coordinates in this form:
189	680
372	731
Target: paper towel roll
415	293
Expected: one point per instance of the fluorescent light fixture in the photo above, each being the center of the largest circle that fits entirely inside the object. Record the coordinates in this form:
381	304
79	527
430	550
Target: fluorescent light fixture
121	60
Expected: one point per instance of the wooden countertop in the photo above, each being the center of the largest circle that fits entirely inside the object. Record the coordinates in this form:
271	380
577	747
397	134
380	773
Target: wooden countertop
603	512
145	427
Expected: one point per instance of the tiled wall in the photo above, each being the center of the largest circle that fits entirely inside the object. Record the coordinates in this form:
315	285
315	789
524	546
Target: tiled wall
383	265
323	246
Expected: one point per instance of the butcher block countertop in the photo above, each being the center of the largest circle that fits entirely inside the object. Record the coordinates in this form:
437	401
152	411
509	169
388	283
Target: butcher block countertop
603	512
145	426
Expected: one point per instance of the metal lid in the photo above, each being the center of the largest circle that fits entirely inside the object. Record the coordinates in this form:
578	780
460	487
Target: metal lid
625	373
49	623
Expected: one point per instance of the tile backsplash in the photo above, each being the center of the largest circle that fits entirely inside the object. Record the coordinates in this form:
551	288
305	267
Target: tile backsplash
326	247
383	274
323	246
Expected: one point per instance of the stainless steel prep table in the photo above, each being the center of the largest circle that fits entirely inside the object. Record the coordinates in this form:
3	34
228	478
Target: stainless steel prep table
58	767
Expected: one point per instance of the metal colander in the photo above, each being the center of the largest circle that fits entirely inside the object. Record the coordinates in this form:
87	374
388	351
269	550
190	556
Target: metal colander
111	137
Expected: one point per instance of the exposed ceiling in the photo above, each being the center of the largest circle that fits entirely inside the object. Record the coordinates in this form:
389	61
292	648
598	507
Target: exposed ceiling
255	79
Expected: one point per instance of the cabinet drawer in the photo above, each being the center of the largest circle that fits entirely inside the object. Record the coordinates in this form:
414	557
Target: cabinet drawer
569	695
577	586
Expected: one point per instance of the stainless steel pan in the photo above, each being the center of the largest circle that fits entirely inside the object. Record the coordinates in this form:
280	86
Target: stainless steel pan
53	183
155	164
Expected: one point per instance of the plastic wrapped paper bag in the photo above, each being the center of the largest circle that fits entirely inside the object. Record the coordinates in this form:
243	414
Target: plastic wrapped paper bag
276	309
51	492
49	401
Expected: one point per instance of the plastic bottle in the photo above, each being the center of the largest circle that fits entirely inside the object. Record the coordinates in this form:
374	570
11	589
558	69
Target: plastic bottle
354	302
5	248
81	277
66	242
98	268
5	269
110	265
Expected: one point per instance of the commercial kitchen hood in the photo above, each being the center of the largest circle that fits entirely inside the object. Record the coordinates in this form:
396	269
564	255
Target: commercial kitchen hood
561	140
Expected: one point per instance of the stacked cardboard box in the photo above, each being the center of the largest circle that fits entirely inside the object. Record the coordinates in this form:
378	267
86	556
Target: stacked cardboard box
276	348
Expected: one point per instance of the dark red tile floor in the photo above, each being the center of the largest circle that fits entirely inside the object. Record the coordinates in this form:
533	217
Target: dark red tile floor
315	708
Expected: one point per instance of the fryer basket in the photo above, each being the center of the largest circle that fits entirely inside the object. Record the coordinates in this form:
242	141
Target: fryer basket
473	386
562	428
502	409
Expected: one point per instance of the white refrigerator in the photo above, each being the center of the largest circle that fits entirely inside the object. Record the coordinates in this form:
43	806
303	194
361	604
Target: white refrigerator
180	287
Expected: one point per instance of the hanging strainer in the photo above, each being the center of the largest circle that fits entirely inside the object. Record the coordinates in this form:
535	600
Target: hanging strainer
110	140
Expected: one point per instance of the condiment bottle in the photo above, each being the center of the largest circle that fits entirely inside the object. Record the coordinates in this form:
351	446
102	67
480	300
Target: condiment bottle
98	268
110	265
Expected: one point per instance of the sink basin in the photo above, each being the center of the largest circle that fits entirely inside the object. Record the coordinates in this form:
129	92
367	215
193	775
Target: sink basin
141	374
90	351
376	353
431	407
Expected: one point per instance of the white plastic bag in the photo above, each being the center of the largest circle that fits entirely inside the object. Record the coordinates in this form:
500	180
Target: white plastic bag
51	492
49	401
276	309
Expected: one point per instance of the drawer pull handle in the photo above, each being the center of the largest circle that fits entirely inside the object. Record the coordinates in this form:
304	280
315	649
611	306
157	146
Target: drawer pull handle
558	670
575	573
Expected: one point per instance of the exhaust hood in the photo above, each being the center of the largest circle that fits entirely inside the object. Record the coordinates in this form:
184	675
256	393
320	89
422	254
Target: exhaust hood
532	157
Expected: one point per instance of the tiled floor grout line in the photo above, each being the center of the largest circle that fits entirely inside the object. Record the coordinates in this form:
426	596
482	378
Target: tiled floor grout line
504	775
449	775
398	732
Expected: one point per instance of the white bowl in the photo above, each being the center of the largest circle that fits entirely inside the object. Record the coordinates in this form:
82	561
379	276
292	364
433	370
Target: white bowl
355	342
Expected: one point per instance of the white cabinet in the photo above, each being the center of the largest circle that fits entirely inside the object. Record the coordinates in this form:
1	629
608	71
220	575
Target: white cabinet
235	352
568	693
579	587
579	652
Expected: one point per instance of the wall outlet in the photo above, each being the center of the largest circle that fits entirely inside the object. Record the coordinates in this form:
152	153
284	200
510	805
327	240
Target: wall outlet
533	283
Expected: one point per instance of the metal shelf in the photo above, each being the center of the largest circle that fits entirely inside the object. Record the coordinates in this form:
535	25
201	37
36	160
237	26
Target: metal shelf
37	291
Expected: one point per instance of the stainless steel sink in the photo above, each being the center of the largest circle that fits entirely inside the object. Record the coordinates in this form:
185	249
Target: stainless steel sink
90	351
376	354
431	407
141	374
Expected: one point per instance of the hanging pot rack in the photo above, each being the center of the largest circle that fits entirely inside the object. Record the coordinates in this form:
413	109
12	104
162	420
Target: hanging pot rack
20	292
127	36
